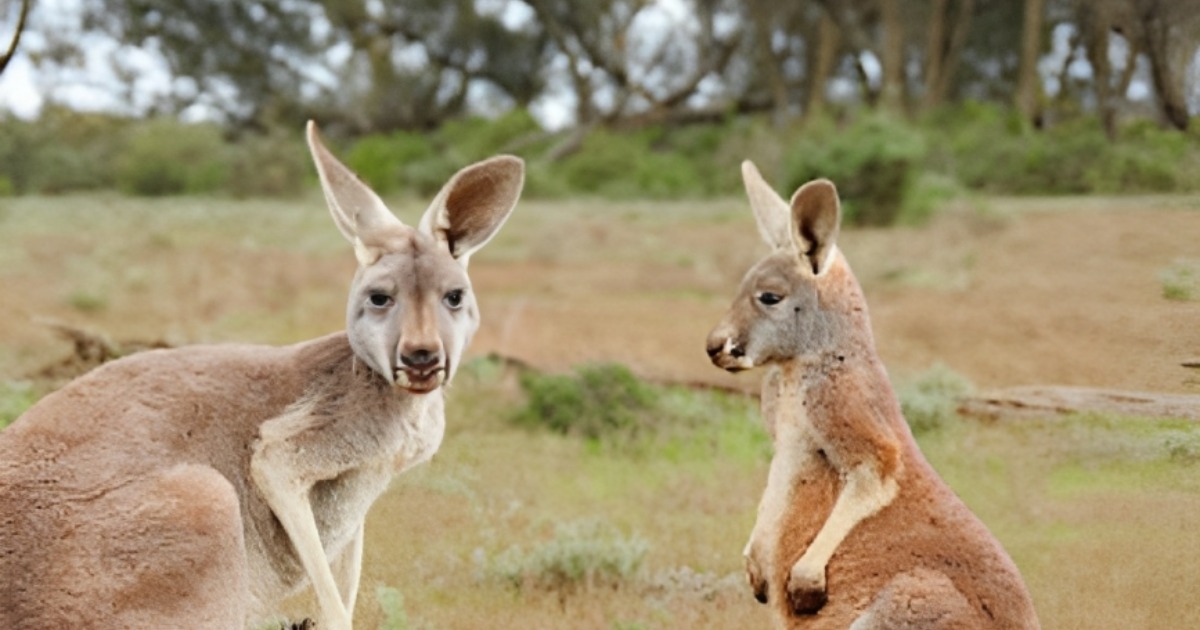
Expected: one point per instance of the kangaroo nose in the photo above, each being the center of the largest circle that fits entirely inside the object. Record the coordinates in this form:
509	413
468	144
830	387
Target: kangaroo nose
714	348
420	358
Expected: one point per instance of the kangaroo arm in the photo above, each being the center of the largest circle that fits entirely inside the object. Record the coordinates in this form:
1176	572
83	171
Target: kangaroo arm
284	474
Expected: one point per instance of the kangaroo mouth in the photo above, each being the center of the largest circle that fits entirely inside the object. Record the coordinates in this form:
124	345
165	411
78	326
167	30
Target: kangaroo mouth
420	381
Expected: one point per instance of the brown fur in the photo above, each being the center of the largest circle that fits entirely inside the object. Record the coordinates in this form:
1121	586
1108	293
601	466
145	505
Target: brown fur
198	487
918	559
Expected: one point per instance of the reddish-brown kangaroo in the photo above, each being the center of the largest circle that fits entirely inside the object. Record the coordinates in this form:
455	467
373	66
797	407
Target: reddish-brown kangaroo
855	529
198	487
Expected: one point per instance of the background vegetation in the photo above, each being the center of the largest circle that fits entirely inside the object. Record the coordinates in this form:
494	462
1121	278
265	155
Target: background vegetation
903	106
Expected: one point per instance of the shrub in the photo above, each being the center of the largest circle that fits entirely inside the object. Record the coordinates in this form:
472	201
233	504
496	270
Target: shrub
931	400
597	401
873	162
400	160
581	555
1181	280
474	138
15	398
626	165
274	164
395	615
167	157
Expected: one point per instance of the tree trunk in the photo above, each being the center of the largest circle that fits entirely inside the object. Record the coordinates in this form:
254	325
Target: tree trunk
1028	84
1096	22
892	57
933	50
829	43
760	14
1168	86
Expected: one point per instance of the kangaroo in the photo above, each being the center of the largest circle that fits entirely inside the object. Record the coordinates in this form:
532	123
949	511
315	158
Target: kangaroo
854	529
198	487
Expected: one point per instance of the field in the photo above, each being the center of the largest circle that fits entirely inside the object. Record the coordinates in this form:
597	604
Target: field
1100	511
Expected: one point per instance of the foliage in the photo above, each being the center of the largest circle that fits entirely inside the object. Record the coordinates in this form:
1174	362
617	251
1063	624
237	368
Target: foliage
395	615
271	164
166	157
931	400
15	398
397	160
581	555
1181	280
984	148
873	161
596	401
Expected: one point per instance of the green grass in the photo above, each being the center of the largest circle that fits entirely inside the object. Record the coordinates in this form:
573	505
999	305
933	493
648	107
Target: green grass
1181	280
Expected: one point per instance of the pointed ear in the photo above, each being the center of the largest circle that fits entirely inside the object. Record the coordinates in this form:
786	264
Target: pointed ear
770	210
473	205
358	212
816	217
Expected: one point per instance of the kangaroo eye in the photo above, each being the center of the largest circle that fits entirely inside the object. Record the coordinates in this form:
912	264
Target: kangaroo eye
380	300
453	299
769	299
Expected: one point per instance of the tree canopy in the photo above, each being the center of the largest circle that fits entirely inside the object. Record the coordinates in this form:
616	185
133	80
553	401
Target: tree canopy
373	66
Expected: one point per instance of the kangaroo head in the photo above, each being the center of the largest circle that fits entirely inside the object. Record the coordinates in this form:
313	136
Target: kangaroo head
411	311
801	300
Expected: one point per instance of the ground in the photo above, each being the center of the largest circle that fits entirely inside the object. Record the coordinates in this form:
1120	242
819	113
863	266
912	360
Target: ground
1102	514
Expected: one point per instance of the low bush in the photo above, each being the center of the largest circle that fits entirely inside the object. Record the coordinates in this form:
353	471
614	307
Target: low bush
931	401
167	157
597	401
15	398
581	555
874	162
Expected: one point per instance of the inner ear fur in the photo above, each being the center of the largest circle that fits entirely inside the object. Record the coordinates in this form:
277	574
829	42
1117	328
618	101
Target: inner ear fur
473	205
816	219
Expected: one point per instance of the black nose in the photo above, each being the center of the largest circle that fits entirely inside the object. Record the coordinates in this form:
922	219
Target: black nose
714	349
420	358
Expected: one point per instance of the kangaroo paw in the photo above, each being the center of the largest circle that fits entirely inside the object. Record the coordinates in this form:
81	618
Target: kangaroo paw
757	580
806	591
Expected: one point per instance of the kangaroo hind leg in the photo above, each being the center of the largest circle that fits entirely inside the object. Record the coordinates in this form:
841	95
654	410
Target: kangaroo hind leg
920	599
178	559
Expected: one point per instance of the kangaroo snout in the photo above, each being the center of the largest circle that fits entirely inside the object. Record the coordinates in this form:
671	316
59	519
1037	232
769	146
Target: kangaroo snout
420	358
726	352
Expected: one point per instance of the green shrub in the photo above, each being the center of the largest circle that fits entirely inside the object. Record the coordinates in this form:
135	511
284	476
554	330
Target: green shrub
274	164
873	161
474	138
596	401
625	165
581	555
15	398
167	157
401	160
395	615
1181	280
931	400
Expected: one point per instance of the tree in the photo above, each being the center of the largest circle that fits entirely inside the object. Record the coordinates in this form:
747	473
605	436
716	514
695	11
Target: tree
1028	90
16	38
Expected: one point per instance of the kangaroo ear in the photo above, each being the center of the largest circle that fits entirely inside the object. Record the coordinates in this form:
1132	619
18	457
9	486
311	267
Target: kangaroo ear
473	205
816	217
358	212
770	210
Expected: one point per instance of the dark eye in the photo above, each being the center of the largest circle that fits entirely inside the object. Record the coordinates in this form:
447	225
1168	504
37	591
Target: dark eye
769	299
380	300
453	299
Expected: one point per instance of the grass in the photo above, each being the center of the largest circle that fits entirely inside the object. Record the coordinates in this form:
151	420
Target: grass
1181	280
